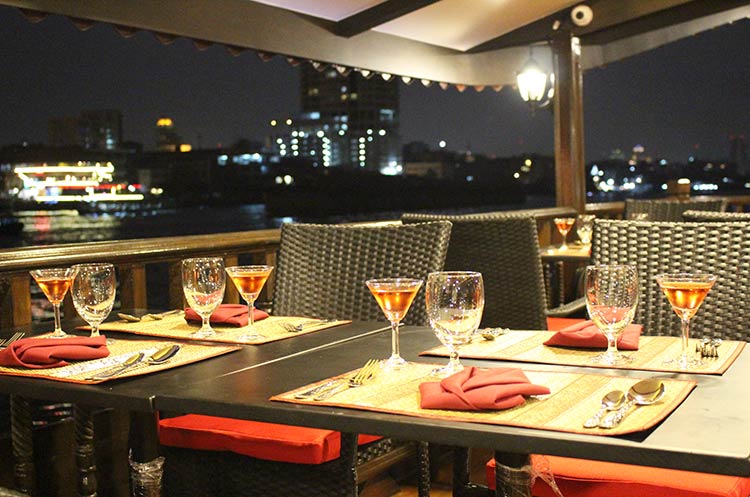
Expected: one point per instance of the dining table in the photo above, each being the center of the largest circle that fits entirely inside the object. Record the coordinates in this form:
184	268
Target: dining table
705	432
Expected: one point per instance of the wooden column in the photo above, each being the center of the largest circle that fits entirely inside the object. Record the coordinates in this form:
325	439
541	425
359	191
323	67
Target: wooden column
570	182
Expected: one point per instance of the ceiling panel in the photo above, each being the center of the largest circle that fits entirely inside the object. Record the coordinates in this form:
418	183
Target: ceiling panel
331	10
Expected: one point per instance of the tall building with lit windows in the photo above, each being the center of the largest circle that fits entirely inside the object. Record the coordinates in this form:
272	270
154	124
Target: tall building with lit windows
92	130
347	120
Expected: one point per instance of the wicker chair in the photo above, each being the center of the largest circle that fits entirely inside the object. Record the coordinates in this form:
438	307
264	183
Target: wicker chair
719	248
712	217
504	247
670	210
343	257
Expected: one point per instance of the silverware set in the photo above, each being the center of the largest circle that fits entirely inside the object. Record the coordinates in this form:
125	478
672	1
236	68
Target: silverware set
616	405
296	328
331	388
136	361
153	316
15	337
708	347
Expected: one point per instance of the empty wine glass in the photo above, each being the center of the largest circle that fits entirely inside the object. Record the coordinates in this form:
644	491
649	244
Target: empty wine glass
563	226
93	293
55	283
394	296
249	281
585	228
611	300
455	302
686	292
203	283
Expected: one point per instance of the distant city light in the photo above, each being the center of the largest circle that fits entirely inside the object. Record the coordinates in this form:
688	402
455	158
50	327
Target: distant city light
381	132
288	180
320	134
516	175
663	162
442	144
273	122
527	162
470	178
683	181
288	122
664	186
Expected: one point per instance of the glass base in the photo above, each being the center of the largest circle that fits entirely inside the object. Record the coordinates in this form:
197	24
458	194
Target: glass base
249	337
59	334
203	332
448	370
612	358
393	363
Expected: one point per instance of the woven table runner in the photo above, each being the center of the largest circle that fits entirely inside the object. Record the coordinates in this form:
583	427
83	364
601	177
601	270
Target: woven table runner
528	346
573	398
119	351
175	326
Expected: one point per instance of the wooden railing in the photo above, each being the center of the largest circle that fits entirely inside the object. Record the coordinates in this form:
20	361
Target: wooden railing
133	259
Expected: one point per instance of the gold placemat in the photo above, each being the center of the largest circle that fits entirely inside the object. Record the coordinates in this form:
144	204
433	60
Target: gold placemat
528	346
175	326
120	350
573	398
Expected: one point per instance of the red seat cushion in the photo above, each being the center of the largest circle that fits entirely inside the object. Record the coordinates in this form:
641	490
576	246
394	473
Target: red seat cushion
269	441
585	478
557	324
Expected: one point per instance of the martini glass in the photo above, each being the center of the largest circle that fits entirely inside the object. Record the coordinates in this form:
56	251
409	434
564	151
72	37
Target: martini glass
55	283
203	283
249	281
563	226
93	293
455	302
611	300
685	293
394	295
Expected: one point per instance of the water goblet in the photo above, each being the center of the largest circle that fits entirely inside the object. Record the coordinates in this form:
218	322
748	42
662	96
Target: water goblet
55	283
455	302
203	283
685	293
249	281
585	228
611	300
93	293
563	226
394	296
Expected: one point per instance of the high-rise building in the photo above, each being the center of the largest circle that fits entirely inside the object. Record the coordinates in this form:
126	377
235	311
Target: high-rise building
92	130
347	121
167	139
738	154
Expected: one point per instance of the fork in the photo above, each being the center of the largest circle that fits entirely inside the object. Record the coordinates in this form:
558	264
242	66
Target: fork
331	384
367	371
16	336
296	328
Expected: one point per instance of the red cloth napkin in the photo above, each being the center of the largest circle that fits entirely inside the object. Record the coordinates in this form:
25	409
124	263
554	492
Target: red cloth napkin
586	334
229	314
474	389
40	353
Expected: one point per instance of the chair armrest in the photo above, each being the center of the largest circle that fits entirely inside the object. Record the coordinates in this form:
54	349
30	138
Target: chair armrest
576	308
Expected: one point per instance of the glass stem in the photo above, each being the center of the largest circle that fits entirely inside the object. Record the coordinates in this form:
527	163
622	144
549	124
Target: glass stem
453	358
685	337
394	340
611	344
250	308
95	330
58	327
206	324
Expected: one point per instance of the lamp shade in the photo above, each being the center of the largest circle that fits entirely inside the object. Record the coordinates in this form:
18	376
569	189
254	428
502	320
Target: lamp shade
532	82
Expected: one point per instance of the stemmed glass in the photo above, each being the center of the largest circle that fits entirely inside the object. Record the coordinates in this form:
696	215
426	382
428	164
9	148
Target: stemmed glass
249	281
93	293
55	283
686	292
455	302
611	300
203	283
585	228
394	295
563	226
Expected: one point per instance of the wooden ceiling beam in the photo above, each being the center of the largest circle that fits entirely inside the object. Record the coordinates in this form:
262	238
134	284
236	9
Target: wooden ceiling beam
377	15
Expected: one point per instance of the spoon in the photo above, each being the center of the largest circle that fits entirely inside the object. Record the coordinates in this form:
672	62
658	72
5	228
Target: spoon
135	319
492	333
610	402
643	393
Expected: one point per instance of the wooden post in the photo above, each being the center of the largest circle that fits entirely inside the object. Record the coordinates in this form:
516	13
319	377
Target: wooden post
570	182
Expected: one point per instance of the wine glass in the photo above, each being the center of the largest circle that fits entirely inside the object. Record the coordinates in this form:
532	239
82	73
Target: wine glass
585	228
685	293
563	226
203	282
611	300
93	293
394	295
455	302
249	281
55	283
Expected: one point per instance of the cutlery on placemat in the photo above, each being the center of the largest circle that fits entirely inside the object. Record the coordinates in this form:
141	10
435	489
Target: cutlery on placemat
119	368
137	361
643	393
357	379
155	316
612	401
336	382
15	337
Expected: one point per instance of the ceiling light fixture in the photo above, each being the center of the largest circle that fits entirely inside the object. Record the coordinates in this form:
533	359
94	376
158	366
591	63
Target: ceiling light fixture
534	84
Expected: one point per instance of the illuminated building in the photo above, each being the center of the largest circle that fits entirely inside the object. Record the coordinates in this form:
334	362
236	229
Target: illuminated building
167	139
92	130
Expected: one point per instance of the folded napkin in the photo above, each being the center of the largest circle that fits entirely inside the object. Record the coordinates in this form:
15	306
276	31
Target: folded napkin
472	389
229	314
586	334
40	353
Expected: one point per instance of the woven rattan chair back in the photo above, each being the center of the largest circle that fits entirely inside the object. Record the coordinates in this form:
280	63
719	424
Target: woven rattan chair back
505	249
713	217
722	249
670	210
321	269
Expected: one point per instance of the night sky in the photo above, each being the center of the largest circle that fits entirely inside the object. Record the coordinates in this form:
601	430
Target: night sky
681	99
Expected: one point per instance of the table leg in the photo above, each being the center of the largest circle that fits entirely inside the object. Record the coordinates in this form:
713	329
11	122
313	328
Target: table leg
146	466
23	444
512	475
85	459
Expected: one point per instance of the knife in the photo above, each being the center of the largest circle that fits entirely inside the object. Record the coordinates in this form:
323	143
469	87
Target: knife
115	370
